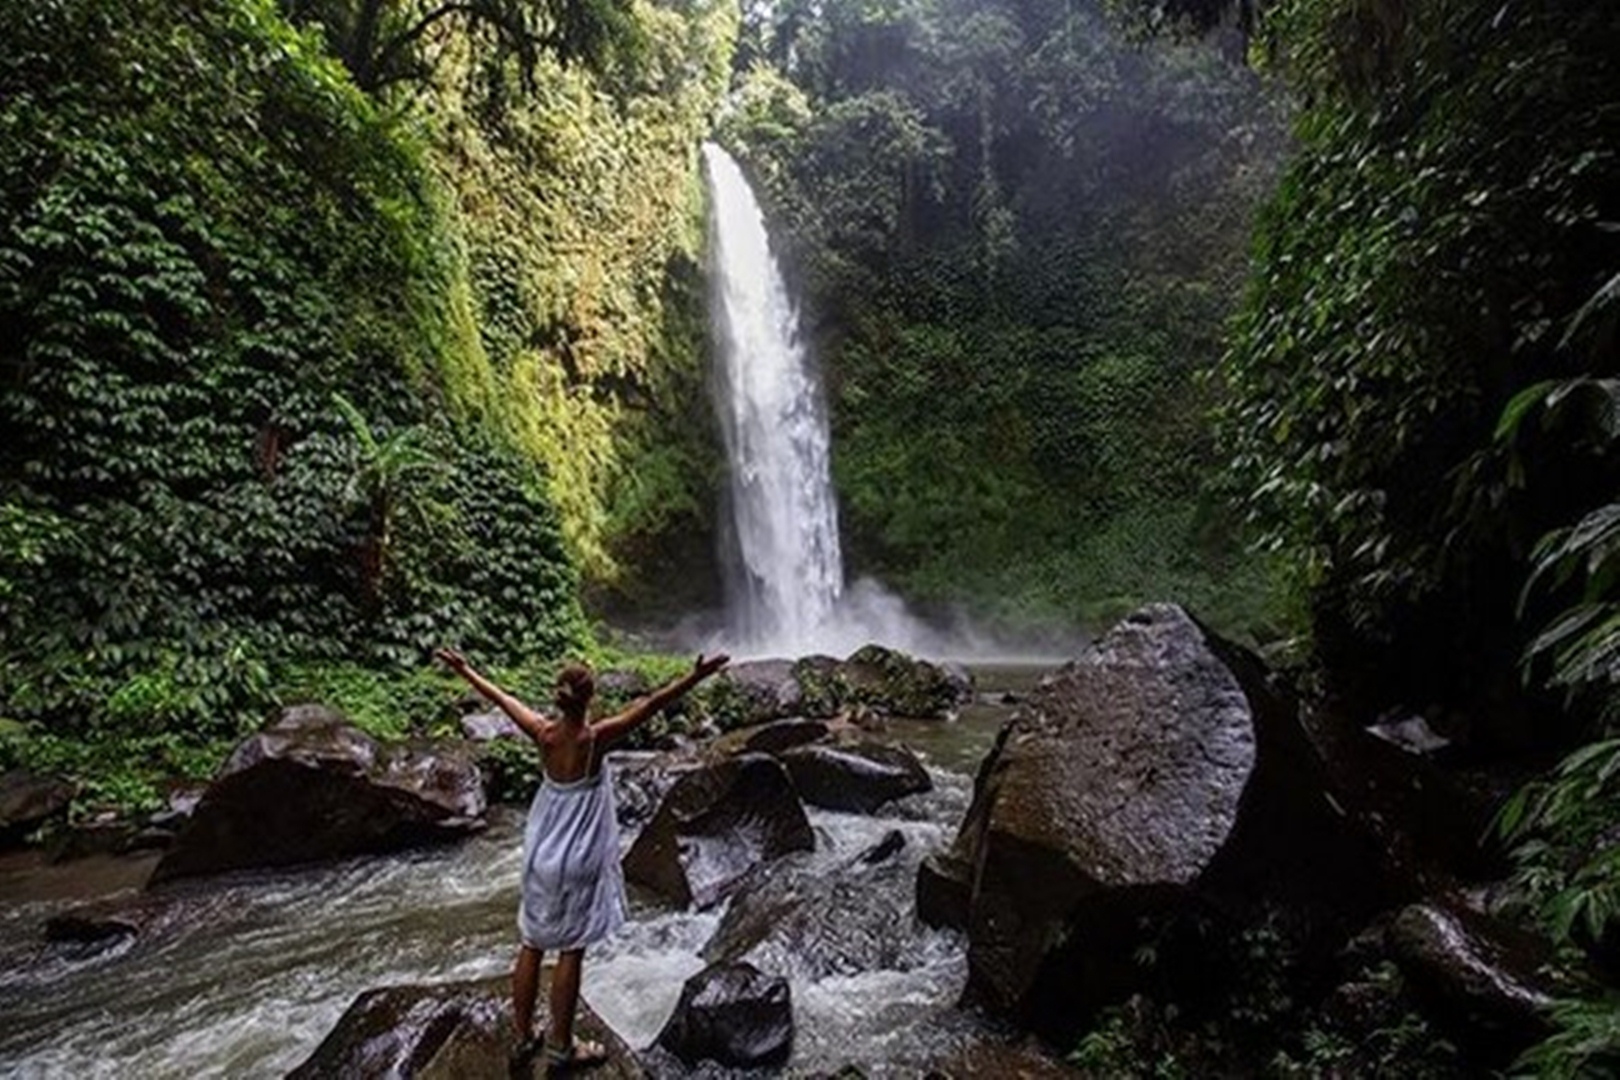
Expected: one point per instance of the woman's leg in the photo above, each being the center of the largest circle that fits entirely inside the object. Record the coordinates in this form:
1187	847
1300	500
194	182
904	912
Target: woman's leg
565	996
525	990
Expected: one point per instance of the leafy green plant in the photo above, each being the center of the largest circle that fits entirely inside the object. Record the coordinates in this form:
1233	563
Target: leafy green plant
1433	240
386	482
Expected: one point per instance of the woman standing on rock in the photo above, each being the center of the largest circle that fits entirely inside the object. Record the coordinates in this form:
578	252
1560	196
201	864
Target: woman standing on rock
573	888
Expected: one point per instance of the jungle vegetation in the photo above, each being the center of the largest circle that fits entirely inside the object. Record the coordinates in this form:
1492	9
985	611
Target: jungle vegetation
334	329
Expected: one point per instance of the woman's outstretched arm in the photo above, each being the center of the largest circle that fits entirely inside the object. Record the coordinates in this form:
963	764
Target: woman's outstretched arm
643	709
523	716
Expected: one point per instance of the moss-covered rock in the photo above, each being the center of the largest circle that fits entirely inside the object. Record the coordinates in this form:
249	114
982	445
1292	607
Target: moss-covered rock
890	682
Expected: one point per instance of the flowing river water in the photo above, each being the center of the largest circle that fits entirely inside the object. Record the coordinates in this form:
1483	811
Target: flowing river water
260	979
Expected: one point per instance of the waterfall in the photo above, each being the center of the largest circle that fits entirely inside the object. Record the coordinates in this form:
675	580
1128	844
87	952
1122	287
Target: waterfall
784	571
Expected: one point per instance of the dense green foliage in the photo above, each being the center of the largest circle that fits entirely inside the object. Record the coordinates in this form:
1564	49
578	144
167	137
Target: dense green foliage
233	308
1448	215
383	42
1018	236
1423	404
300	381
581	219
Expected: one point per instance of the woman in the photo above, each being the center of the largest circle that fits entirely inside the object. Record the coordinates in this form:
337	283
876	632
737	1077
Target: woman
573	889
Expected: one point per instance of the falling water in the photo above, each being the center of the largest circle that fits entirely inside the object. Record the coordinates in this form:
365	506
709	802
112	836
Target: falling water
785	574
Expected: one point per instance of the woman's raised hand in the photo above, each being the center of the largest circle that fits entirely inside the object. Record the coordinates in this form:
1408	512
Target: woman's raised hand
452	660
704	666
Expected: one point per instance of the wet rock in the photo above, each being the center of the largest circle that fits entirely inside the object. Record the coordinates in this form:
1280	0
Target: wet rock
641	779
750	693
945	890
774	737
1482	978
312	787
486	727
732	1014
895	684
884	849
440	1032
845	920
856	778
104	834
823	690
1412	734
147	918
1155	782
181	804
715	826
28	801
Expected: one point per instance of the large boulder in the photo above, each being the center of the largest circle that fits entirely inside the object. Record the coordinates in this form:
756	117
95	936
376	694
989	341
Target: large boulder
641	779
311	787
894	684
873	680
856	778
1156	782
446	1032
28	801
734	1015
715	827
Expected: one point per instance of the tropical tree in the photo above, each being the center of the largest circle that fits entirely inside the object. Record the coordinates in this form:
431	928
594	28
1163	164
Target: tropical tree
387	481
384	42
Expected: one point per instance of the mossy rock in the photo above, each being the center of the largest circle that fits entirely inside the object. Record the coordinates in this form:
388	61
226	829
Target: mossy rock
895	684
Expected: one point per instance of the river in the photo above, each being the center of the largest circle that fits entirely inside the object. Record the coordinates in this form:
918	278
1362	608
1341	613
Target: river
256	985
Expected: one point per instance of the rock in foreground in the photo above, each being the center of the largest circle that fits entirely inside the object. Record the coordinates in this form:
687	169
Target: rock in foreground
857	778
312	787
732	1014
716	826
1155	781
1484	979
451	1031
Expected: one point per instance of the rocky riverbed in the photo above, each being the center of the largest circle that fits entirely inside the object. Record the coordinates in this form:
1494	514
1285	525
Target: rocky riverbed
1152	833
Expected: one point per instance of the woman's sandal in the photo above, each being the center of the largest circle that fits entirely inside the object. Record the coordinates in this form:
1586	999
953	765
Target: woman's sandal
522	1055
577	1055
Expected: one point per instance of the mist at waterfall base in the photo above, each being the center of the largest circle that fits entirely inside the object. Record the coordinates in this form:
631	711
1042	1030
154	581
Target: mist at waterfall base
786	592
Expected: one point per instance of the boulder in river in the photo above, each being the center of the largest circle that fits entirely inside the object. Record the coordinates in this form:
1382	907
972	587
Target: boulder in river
895	684
1158	777
311	786
750	692
450	1031
843	920
856	778
734	1015
28	801
873	681
715	826
773	737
